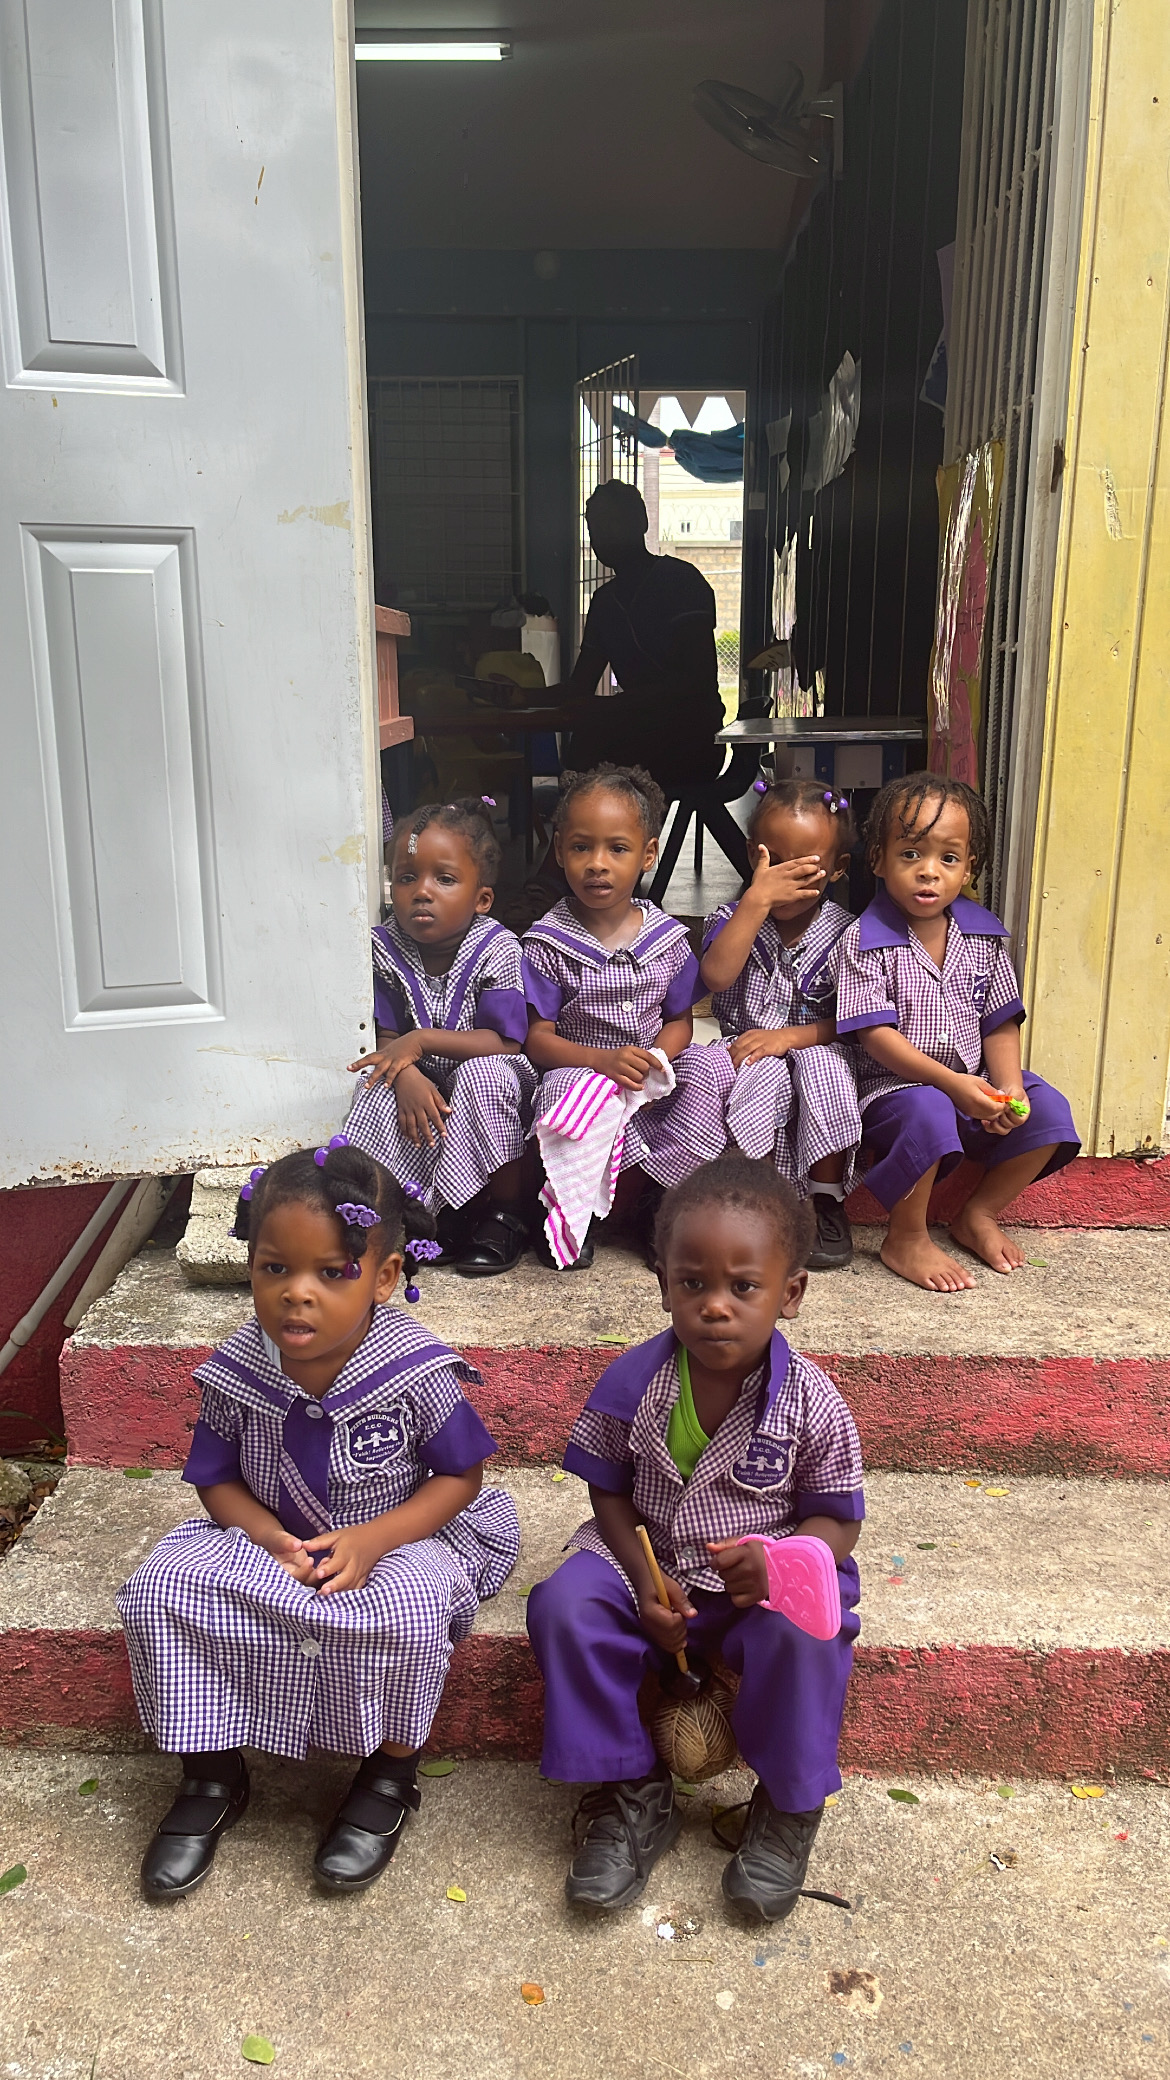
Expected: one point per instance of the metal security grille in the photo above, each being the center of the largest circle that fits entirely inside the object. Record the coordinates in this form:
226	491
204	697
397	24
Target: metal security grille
1008	370
446	478
602	453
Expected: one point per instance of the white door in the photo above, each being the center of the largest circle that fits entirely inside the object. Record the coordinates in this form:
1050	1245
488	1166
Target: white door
187	751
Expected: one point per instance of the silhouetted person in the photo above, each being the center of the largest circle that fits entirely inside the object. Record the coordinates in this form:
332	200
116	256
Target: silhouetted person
654	624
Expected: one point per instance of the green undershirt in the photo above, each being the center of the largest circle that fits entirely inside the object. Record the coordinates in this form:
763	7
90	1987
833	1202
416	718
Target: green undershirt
685	1440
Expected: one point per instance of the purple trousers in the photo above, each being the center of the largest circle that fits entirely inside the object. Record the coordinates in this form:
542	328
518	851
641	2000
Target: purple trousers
593	1654
907	1131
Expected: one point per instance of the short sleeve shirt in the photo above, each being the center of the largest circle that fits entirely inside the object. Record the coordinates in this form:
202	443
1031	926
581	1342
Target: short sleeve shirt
887	978
635	622
781	985
482	989
787	1450
599	996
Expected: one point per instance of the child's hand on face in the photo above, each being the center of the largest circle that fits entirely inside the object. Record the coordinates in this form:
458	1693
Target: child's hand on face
344	1558
628	1066
667	1628
789	886
744	1570
747	1048
290	1554
421	1109
391	1058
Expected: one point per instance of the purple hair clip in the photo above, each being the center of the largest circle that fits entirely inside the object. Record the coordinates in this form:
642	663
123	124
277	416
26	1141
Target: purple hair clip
759	786
412	1191
424	1251
489	799
319	1154
359	1216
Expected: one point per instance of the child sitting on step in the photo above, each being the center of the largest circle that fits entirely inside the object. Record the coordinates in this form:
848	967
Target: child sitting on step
771	962
712	1434
446	1100
928	986
350	1540
610	983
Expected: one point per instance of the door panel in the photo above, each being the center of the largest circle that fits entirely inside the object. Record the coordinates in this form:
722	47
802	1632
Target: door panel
187	711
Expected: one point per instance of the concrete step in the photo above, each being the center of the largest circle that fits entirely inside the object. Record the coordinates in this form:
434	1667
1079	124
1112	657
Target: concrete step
1022	1631
1062	1368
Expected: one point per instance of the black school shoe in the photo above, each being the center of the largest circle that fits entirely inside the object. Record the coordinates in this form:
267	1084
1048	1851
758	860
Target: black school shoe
211	1798
833	1248
629	1825
764	1878
497	1242
364	1836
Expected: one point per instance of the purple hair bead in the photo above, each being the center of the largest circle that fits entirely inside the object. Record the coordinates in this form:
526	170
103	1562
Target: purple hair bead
245	1193
759	786
352	1269
412	1292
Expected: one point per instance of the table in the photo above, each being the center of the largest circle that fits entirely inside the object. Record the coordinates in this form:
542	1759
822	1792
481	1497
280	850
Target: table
513	722
825	734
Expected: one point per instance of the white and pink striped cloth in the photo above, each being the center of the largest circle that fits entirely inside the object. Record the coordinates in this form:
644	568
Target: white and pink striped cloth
581	1139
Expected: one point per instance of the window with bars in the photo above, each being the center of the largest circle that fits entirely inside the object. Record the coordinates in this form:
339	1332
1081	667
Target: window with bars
446	482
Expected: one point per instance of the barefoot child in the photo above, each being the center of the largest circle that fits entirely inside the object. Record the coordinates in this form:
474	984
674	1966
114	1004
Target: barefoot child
713	1433
610	983
928	986
446	1100
350	1540
771	961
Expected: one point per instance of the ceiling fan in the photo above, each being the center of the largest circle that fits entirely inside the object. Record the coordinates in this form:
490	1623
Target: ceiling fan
772	132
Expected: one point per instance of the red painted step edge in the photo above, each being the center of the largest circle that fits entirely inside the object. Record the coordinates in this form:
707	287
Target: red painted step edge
909	1708
1093	1192
135	1406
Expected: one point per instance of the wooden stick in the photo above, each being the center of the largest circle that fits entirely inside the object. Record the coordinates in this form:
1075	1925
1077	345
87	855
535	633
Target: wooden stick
659	1585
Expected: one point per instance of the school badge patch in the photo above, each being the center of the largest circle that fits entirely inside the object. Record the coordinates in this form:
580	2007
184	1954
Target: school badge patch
377	1439
766	1463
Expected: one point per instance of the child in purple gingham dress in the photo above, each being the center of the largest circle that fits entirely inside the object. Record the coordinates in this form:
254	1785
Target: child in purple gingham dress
928	986
446	1101
350	1540
610	977
771	962
712	1434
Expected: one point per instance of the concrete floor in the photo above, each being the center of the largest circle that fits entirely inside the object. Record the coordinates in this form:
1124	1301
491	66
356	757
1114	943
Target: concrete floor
1057	1966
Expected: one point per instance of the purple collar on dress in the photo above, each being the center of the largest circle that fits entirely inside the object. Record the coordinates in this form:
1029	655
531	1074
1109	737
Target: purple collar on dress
622	1385
560	928
884	925
406	961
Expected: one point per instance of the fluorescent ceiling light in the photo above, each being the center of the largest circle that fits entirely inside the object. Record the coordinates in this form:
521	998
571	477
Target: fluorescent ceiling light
430	53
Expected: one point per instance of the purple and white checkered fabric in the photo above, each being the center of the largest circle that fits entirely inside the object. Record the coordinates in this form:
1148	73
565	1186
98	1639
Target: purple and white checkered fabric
795	1108
888	979
226	1649
602	998
490	1096
387	820
787	1450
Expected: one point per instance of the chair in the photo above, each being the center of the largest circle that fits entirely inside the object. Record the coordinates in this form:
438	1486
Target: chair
707	804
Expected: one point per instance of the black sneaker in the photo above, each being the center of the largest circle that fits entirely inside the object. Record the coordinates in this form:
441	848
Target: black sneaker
764	1878
833	1248
628	1827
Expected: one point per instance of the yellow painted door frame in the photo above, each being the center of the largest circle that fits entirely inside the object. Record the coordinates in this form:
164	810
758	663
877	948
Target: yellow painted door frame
1098	960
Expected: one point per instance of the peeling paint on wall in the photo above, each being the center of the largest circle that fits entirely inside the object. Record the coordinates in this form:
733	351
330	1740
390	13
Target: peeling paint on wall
350	853
1112	509
336	515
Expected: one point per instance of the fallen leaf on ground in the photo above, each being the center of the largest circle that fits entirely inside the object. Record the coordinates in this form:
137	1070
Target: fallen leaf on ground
972	1484
832	1799
997	1491
136	1473
613	1339
559	1475
928	1545
258	2050
439	1766
1004	1791
456	1892
1087	1790
857	1991
13	1877
532	1993
904	1798
1041	1263
87	1789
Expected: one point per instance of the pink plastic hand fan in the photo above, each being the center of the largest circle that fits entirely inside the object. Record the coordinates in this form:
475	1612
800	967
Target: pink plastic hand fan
802	1583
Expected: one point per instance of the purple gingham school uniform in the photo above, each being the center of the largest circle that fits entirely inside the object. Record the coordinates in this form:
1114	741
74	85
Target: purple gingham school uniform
226	1649
888	979
598	997
800	1107
787	1450
490	1096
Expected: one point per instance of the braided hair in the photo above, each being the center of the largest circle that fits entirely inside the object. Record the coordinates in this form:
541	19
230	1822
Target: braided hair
632	783
805	797
902	808
755	1187
470	817
344	1181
